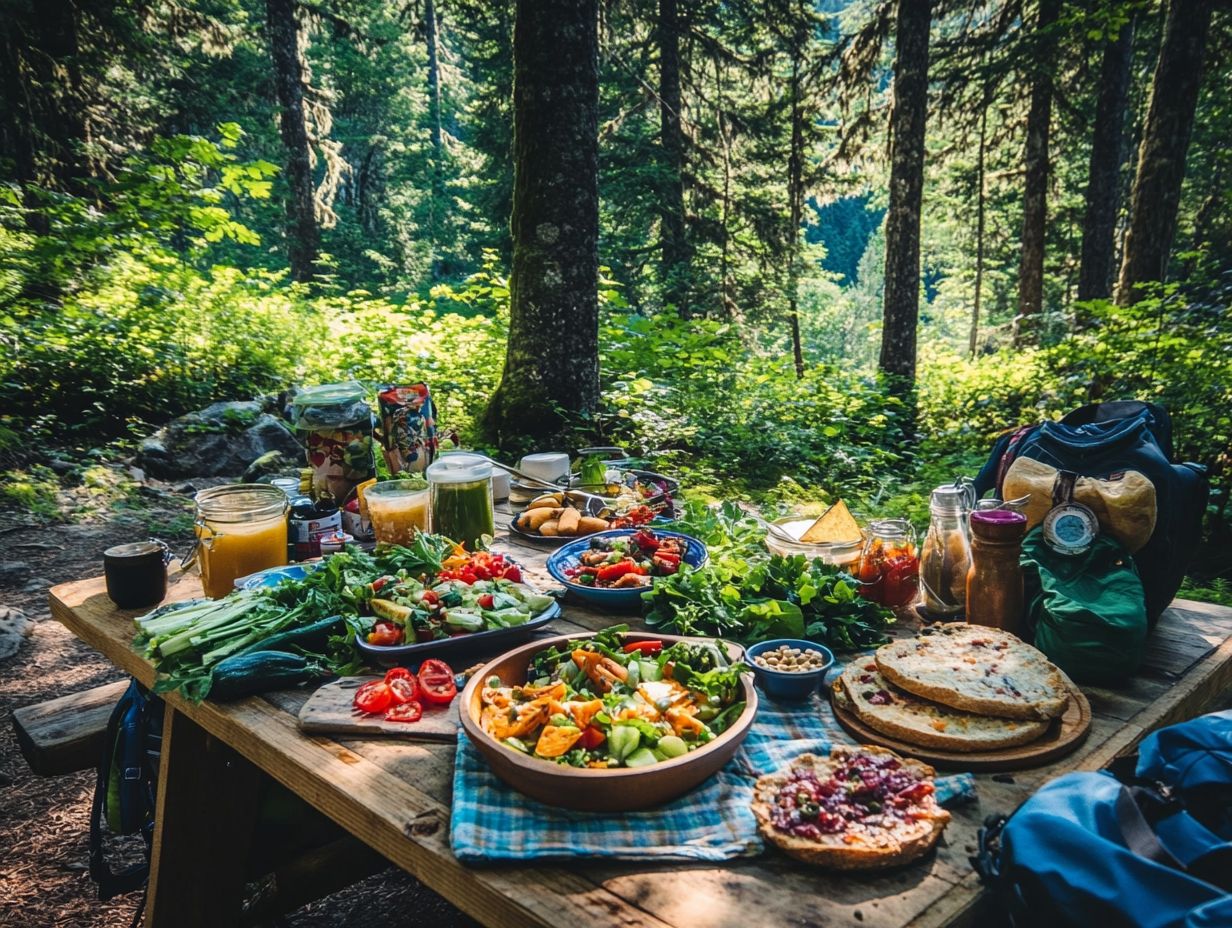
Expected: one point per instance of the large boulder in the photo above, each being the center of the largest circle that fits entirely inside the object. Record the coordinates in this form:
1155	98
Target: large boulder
218	441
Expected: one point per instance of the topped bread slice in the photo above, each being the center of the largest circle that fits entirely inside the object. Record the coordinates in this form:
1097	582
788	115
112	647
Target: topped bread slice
860	808
894	712
976	669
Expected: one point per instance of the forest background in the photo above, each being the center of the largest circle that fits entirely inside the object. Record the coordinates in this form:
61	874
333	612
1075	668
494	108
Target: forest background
214	199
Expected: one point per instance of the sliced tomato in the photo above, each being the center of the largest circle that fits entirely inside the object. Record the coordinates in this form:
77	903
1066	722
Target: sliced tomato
393	673
592	737
405	712
645	647
385	634
436	683
513	573
405	689
485	601
429	598
377	584
373	697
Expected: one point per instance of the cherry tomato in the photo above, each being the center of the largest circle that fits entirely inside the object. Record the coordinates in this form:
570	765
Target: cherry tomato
405	689
405	712
393	673
645	647
436	683
373	697
485	601
592	737
378	584
429	598
385	634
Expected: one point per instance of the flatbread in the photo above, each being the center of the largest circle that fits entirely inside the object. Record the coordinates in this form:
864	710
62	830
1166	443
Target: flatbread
904	716
976	669
904	825
835	526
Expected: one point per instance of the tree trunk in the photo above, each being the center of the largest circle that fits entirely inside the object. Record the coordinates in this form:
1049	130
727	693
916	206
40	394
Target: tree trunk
980	225
436	205
1035	182
289	85
1103	177
551	374
902	231
795	199
674	266
1165	142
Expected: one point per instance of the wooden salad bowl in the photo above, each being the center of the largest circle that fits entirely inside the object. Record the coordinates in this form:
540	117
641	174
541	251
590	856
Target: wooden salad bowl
620	789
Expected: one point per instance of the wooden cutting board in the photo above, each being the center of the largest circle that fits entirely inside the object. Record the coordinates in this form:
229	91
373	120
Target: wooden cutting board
329	711
1064	736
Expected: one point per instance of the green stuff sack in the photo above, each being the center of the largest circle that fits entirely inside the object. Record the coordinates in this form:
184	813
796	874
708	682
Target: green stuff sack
1088	610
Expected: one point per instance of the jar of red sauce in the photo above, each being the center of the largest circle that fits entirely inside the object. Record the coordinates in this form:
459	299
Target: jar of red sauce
889	569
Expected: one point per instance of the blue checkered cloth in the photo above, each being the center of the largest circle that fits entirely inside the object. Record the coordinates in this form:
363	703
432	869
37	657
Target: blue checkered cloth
714	821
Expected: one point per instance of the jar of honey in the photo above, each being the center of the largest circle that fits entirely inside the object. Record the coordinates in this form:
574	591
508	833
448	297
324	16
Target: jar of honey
241	528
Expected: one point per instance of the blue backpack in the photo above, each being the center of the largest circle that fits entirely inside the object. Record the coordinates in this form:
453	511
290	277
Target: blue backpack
1151	850
1103	439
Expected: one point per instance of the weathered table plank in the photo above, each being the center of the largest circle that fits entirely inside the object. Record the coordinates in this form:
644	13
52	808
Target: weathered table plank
395	795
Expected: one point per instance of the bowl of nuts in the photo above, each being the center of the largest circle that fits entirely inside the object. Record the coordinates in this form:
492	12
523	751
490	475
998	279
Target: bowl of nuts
789	668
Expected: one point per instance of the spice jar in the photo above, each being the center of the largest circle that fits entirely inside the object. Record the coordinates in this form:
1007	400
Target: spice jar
994	582
945	556
460	494
136	573
889	571
241	528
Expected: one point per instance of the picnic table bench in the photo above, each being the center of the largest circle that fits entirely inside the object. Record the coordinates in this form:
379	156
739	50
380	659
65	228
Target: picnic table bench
395	795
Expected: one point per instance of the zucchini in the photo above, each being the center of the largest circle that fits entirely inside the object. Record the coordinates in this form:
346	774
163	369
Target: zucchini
259	672
309	637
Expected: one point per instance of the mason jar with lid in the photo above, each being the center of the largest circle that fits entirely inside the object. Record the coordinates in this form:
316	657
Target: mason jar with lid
460	495
241	528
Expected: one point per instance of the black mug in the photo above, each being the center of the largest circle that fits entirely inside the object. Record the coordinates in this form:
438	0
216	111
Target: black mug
136	573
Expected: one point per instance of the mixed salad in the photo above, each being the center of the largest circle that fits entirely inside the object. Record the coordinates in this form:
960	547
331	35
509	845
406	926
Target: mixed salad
629	561
603	702
470	593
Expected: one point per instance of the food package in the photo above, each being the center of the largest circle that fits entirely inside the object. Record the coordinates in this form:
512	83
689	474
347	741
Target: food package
337	423
408	427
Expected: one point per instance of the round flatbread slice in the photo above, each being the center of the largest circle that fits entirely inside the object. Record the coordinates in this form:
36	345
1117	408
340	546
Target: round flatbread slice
859	808
904	716
976	669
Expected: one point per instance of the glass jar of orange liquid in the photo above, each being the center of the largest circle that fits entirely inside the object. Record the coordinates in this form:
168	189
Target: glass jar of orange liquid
397	509
240	528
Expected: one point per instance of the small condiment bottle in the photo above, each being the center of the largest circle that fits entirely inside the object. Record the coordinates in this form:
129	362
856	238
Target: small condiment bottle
136	573
994	582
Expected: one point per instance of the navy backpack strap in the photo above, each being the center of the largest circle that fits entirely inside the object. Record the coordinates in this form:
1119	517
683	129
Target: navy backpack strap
131	705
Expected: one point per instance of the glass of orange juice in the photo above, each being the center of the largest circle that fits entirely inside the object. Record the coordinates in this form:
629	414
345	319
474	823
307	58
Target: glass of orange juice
397	509
241	528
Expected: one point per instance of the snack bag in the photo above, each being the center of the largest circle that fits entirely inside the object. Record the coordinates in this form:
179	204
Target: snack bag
408	427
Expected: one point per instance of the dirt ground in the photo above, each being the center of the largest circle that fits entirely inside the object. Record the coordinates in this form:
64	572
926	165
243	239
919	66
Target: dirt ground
44	879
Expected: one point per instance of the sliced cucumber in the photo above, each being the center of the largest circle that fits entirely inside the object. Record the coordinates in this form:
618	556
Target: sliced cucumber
642	757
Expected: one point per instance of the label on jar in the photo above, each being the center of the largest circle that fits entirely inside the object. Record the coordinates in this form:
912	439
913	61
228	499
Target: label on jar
305	534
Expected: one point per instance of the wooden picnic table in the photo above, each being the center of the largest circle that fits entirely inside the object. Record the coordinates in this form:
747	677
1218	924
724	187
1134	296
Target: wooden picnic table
395	796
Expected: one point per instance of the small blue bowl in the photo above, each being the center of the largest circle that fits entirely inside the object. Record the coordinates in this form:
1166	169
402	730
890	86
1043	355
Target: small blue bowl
272	576
782	684
623	600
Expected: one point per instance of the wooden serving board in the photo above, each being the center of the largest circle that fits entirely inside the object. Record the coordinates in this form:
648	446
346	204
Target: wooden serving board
1064	735
329	711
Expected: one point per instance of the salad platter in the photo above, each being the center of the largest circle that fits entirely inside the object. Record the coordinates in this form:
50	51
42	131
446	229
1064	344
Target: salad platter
613	721
475	600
